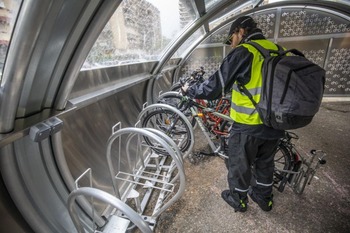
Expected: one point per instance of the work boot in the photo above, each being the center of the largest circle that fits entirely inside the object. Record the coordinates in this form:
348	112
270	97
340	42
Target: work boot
236	201
264	202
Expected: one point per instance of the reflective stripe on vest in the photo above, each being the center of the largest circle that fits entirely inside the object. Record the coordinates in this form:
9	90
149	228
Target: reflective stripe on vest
242	109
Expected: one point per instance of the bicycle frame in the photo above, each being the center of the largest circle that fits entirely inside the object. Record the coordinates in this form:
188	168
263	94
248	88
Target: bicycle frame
210	116
210	120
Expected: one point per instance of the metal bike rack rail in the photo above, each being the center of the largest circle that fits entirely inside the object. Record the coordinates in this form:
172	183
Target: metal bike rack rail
107	198
149	175
146	175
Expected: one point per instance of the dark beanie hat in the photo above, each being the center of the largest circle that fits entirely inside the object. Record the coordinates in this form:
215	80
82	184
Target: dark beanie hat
241	22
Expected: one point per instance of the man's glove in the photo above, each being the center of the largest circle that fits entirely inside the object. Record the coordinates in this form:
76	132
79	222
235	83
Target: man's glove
184	88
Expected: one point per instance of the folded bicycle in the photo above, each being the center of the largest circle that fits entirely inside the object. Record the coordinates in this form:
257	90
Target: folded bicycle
293	167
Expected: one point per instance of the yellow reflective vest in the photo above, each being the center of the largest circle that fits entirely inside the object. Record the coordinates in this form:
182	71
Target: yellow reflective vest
242	109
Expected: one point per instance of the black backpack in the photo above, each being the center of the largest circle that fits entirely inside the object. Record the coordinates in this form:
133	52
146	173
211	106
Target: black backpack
292	88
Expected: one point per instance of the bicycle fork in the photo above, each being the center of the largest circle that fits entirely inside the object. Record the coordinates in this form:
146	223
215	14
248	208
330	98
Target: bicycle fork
216	150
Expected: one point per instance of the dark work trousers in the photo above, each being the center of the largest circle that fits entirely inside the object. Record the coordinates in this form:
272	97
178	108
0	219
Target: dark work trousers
250	162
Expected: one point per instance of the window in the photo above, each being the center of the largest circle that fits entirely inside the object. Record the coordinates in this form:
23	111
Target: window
8	14
139	31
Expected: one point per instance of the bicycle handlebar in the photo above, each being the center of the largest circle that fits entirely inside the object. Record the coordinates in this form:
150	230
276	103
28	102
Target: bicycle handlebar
195	77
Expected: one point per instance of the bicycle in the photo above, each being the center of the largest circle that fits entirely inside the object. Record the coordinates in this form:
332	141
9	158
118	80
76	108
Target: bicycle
212	118
221	105
294	168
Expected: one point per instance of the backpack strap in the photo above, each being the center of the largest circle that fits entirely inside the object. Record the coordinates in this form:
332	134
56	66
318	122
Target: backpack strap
243	89
265	52
294	51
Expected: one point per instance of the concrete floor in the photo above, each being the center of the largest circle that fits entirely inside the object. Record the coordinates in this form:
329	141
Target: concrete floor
323	207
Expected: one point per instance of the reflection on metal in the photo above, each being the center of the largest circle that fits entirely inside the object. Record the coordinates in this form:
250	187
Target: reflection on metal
93	85
9	14
17	60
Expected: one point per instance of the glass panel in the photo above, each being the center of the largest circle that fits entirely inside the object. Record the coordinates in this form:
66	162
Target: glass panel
210	3
139	31
230	12
8	14
189	43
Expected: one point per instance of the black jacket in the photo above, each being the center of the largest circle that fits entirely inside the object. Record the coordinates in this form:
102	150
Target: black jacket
235	66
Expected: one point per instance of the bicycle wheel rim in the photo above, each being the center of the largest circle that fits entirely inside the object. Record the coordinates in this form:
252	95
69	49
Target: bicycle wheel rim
163	120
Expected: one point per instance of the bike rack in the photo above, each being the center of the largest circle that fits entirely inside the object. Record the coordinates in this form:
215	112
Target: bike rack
145	183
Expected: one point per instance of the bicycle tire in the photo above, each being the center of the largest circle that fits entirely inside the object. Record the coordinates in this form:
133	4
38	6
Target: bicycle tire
283	162
175	100
171	124
176	86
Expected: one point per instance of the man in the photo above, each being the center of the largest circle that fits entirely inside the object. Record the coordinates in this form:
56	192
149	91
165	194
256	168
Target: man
251	143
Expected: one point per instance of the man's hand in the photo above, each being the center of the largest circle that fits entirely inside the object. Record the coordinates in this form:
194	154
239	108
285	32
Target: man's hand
184	88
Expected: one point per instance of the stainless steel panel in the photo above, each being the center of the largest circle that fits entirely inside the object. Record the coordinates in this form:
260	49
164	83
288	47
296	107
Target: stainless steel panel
11	219
34	186
89	81
162	83
28	169
31	19
85	133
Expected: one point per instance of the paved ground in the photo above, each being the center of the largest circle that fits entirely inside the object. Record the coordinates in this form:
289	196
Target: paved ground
323	207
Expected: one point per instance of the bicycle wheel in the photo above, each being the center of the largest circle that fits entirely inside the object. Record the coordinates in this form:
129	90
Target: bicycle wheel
176	86
171	124
175	100
283	163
